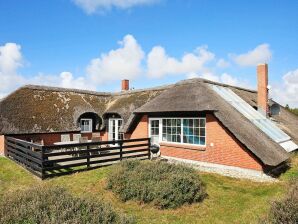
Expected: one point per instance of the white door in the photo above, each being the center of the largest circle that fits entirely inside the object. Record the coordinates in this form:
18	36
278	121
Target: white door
114	126
154	130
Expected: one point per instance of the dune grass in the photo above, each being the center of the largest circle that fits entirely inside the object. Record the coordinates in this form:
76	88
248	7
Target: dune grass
229	200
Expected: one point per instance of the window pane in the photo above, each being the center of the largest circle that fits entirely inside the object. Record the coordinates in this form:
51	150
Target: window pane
178	138
202	122
174	138
174	122
197	132
202	131
174	130
164	122
196	140
164	137
169	122
197	123
164	130
179	130
168	131
185	139
202	140
178	122
169	138
191	139
185	130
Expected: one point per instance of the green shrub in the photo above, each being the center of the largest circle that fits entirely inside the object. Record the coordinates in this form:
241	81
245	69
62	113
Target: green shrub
51	205
285	211
165	185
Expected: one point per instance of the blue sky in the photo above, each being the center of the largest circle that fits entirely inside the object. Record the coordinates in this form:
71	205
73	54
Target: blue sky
93	44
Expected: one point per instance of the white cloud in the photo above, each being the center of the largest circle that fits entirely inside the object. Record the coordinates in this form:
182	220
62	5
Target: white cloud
64	79
160	64
124	62
68	81
228	79
222	63
92	6
287	91
10	61
261	54
223	78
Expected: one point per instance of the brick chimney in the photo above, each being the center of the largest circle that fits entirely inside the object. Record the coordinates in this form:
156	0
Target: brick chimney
125	85
262	73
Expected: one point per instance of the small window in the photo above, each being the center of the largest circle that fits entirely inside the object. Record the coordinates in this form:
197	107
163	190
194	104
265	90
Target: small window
86	125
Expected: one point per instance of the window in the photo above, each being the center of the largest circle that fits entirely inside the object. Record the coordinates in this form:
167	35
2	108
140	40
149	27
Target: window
114	126
86	125
194	131
171	130
180	130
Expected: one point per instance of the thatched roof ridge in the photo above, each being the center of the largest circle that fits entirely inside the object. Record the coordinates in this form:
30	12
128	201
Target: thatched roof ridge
195	80
185	96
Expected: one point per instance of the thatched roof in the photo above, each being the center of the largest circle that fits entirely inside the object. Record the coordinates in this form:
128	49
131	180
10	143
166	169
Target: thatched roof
198	96
39	109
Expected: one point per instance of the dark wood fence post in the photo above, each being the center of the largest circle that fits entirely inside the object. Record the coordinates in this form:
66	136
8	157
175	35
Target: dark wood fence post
120	145
149	152
88	157
42	163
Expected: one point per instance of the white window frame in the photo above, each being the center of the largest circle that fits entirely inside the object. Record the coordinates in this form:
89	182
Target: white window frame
90	125
116	128
160	128
181	118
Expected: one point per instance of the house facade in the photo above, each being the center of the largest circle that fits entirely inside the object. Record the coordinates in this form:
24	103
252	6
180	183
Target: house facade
197	121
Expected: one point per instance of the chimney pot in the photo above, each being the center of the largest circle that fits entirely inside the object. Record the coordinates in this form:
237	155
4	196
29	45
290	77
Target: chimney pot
125	85
262	75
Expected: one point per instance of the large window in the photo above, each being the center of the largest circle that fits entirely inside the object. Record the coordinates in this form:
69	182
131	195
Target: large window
86	125
182	130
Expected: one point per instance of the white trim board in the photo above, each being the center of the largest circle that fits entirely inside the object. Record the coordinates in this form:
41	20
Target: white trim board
224	170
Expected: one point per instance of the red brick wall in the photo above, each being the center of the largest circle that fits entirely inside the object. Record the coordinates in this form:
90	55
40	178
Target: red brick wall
227	150
141	131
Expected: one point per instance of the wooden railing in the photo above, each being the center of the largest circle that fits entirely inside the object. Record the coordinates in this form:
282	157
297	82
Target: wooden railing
55	160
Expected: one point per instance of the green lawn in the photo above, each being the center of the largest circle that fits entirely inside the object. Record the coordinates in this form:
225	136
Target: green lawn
229	201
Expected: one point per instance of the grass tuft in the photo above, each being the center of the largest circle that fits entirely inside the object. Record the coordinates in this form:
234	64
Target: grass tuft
52	205
165	185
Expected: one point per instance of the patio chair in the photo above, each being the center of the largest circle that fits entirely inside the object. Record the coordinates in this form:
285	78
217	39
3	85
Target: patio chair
76	137
65	138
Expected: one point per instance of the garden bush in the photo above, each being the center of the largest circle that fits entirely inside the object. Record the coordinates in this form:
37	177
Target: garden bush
285	211
163	184
51	205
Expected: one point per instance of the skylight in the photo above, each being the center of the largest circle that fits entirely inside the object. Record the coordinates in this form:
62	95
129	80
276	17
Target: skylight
258	119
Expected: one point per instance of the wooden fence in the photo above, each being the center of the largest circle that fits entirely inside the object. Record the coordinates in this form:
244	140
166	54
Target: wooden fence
55	160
